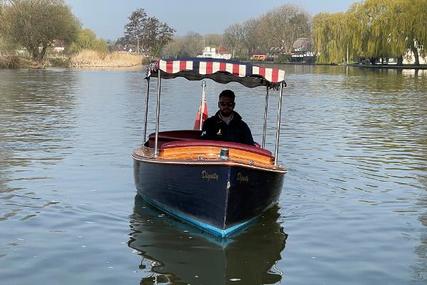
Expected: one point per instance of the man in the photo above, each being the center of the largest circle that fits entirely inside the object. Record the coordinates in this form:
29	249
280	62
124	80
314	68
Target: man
227	125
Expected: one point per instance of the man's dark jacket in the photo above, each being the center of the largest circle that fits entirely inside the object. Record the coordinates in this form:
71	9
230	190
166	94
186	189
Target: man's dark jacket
236	131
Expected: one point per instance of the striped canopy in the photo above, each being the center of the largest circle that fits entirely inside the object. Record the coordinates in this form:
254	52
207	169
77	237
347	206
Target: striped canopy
219	70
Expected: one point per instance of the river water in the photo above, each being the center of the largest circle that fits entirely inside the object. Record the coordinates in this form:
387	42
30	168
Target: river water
353	208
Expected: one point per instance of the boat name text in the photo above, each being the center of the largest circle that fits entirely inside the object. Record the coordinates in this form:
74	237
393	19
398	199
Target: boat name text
209	176
242	178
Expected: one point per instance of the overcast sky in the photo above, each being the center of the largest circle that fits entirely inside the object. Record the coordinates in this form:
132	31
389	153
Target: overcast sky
108	17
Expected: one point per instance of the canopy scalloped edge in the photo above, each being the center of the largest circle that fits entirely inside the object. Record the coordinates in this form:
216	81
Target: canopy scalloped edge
221	71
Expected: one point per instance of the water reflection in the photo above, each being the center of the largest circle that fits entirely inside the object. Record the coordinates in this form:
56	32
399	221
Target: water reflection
175	253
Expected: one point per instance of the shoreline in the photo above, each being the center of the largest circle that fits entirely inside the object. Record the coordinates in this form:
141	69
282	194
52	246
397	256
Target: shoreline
86	59
372	66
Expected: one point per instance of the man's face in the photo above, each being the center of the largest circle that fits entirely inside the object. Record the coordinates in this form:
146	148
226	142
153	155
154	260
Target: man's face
226	106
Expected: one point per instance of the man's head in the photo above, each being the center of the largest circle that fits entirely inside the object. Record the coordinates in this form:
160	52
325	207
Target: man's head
226	102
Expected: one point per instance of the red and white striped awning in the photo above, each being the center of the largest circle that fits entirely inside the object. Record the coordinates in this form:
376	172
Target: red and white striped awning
222	71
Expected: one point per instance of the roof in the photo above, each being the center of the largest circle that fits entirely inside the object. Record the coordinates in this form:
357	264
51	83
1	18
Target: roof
302	44
219	70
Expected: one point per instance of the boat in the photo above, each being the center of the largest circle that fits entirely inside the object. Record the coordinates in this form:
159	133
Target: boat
209	52
218	186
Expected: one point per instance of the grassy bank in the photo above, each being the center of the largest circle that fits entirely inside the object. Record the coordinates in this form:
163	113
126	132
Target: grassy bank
93	59
84	59
13	61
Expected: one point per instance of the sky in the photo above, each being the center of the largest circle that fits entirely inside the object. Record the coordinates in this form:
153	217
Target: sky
107	18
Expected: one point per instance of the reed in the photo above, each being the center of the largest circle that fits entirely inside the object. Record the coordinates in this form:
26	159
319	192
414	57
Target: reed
94	59
13	62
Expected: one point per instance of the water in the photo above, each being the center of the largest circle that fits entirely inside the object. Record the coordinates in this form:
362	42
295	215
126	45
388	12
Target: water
352	211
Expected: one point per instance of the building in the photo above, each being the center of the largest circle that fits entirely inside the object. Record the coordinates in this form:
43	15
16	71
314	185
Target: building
210	52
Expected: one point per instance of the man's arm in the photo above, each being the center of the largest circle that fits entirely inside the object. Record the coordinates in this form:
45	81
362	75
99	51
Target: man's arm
247	135
206	130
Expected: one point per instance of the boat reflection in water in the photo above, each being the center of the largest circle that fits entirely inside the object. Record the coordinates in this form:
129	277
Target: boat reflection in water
176	253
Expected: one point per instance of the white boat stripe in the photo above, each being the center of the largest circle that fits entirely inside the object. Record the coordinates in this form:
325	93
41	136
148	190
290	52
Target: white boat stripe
202	67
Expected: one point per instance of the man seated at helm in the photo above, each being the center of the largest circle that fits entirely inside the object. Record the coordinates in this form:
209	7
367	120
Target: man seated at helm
226	124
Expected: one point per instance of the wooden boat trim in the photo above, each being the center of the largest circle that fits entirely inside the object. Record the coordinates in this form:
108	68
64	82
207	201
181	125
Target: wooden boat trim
151	159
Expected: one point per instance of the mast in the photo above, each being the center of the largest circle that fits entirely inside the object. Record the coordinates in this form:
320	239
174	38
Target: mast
202	104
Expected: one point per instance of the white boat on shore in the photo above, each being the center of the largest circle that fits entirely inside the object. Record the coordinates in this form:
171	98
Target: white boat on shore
210	52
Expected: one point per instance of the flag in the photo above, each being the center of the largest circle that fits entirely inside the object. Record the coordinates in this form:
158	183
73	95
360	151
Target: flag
201	116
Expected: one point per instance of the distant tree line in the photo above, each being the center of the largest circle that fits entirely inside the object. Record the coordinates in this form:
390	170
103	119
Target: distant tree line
272	33
372	30
35	26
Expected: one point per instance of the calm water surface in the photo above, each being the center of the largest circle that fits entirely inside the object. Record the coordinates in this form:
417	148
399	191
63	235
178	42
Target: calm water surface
353	209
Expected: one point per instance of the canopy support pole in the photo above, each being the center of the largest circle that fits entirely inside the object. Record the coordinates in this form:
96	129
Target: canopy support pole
264	129
156	139
146	110
279	121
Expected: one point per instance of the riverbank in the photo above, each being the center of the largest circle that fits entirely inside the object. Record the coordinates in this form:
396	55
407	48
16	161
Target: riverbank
84	59
389	66
93	59
13	62
372	66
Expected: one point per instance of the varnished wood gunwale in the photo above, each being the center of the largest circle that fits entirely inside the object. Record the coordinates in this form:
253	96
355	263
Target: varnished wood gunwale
200	156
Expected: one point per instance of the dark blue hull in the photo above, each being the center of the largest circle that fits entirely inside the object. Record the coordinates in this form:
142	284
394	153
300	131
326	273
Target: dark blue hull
220	198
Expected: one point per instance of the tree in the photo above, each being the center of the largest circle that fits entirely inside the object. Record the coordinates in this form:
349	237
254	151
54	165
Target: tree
189	45
277	30
86	39
331	37
147	32
233	39
388	28
35	24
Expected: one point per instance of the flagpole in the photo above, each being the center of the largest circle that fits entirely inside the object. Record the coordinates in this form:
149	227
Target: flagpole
202	104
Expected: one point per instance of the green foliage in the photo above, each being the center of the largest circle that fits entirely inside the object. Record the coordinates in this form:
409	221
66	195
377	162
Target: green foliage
35	24
372	29
189	45
86	39
331	37
146	33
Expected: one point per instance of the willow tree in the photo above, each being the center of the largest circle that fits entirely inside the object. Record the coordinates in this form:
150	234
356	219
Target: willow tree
331	37
410	22
389	28
35	24
372	24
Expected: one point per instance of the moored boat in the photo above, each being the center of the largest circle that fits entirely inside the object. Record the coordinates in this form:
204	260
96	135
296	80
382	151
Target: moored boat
216	185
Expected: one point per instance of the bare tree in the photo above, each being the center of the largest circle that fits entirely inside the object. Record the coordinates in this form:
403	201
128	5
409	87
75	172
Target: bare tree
147	32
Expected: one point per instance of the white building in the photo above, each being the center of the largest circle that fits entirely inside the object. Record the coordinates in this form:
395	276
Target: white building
209	52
